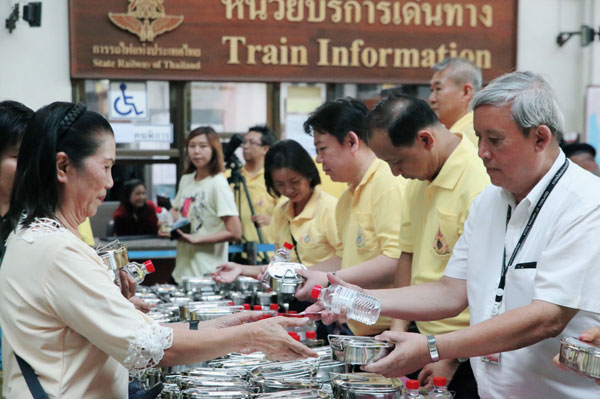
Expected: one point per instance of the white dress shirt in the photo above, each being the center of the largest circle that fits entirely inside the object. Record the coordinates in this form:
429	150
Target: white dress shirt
564	244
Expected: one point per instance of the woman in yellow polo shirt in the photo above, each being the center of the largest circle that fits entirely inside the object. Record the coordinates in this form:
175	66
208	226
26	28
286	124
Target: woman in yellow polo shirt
306	218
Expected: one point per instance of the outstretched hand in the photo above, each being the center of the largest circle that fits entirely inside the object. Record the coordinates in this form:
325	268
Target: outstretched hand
411	353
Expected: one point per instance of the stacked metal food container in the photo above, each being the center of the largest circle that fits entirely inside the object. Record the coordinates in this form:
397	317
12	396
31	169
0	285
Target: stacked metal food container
252	375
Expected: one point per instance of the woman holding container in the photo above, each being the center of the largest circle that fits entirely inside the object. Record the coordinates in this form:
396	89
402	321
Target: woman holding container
60	310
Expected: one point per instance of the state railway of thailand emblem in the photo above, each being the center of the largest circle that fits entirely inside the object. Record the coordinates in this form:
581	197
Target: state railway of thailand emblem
146	19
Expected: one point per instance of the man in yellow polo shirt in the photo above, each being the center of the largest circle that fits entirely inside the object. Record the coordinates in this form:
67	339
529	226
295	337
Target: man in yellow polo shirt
256	143
367	214
447	175
453	85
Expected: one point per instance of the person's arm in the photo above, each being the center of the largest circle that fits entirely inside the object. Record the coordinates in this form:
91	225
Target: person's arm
374	273
230	271
268	336
232	232
535	322
402	279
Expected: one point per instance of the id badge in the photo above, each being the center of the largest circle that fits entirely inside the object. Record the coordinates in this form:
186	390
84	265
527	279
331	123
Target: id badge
493	358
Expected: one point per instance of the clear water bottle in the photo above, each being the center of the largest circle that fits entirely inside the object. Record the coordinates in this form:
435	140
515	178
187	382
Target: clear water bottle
439	389
359	307
283	254
138	271
412	390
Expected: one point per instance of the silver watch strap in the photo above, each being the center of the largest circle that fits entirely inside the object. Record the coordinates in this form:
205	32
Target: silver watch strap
433	350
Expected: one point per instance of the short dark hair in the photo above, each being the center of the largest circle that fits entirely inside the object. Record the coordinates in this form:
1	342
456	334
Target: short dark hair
216	164
571	149
289	154
14	118
338	118
401	116
267	136
58	127
128	188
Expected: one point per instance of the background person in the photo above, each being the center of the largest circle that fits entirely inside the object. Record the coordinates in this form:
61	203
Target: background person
206	200
14	118
367	214
445	177
70	152
453	86
306	217
135	215
583	155
257	142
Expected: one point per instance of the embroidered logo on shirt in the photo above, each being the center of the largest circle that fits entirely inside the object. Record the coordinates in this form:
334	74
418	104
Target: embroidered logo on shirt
307	239
360	238
440	246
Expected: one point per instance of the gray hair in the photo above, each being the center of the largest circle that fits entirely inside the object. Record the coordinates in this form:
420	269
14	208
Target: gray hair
532	101
461	71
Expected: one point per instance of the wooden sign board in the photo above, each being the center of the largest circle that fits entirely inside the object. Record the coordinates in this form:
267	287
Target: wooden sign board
358	41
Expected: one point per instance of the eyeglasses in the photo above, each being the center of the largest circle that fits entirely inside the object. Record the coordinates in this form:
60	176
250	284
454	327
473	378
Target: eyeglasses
251	142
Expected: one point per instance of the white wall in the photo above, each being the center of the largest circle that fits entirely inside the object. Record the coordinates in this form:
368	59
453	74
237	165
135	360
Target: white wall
34	62
571	68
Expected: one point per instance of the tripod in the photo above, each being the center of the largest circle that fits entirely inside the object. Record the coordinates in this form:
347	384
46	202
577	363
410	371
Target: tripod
239	182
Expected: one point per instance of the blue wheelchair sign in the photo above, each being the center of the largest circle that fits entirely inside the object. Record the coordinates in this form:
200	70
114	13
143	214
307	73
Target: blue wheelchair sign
128	100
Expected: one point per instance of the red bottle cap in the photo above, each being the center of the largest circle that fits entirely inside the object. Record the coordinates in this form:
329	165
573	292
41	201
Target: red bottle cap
231	303
439	381
311	335
288	246
149	266
257	307
274	306
246	306
412	384
316	291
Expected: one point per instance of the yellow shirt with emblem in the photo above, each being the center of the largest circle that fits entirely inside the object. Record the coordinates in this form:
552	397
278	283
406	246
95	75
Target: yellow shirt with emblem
263	203
368	220
433	215
465	127
314	229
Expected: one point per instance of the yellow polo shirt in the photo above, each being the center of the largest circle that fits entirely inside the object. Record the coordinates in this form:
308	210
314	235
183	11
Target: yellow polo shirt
368	220
314	229
263	203
433	215
85	230
465	127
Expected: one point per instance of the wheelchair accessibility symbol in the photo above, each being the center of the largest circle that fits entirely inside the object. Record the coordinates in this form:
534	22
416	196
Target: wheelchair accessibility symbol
128	100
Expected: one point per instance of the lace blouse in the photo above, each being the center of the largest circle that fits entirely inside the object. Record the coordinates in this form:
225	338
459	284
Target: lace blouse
61	311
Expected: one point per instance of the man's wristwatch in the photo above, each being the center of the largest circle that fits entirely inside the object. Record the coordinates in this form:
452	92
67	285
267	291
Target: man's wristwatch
433	350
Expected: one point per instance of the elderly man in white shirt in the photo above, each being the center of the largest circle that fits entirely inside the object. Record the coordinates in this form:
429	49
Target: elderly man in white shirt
527	262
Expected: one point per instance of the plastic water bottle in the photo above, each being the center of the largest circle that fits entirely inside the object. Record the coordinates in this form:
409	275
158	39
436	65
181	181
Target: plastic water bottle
412	390
283	254
439	389
139	271
359	307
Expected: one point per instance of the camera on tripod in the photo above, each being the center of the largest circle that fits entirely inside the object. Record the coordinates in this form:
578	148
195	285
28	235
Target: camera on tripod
231	160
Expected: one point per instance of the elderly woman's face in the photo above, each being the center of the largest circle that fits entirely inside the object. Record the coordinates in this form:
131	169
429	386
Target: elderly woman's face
88	186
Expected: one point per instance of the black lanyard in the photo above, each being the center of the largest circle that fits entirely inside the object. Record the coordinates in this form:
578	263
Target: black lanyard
528	226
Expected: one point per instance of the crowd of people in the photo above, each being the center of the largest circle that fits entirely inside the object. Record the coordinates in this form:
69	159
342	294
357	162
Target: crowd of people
462	214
